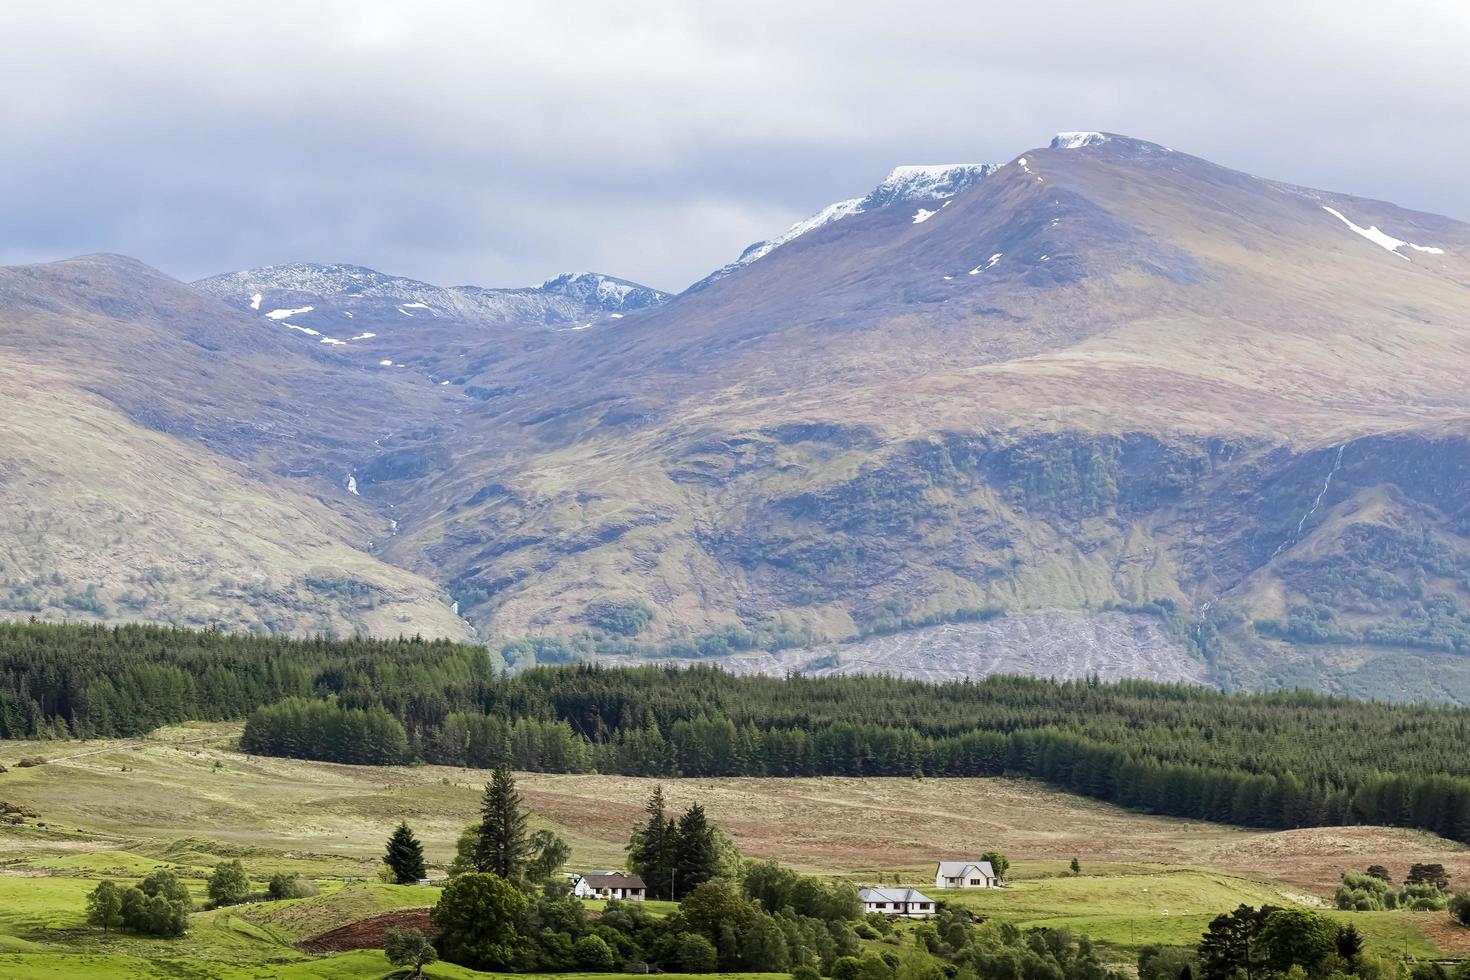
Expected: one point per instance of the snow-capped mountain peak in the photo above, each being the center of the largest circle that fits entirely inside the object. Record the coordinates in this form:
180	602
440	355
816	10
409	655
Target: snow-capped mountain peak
932	182
604	292
324	298
1075	141
905	184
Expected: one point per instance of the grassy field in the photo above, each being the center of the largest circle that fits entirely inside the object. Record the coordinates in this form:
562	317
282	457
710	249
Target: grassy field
183	799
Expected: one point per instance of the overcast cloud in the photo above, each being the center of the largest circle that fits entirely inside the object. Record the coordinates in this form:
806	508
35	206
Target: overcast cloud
501	143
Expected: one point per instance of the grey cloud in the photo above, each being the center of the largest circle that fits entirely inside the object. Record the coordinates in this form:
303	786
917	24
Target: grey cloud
501	143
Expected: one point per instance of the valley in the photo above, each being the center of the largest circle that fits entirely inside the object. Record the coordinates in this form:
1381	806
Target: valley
184	798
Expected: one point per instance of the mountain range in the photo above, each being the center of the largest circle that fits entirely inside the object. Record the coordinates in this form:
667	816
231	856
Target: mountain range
1104	407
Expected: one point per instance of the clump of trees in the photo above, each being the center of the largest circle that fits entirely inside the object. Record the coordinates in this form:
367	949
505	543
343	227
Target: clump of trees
674	856
1294	944
306	729
1425	889
159	905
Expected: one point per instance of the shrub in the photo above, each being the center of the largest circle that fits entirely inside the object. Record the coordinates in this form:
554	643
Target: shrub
1364	893
592	953
30	762
284	886
1423	897
1460	908
695	953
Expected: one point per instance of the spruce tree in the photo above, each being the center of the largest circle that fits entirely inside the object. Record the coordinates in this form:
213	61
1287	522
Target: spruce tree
503	846
651	851
405	856
694	851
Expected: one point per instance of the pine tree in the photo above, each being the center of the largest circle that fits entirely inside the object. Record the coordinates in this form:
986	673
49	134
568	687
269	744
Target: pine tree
503	846
651	851
405	856
1350	945
695	855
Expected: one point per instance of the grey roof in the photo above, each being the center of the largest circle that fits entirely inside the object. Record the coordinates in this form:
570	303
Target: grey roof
893	895
958	869
612	879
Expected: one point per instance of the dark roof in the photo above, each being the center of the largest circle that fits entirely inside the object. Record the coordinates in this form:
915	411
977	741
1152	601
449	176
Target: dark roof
613	880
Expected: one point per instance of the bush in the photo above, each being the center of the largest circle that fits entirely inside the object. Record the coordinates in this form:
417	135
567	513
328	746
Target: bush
1423	897
805	972
1460	908
695	953
1364	893
592	953
228	884
284	886
30	762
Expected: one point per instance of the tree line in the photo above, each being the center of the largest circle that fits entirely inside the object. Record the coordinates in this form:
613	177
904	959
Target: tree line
1290	759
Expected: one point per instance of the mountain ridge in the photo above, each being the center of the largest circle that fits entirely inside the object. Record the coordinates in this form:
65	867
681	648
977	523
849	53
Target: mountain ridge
1103	375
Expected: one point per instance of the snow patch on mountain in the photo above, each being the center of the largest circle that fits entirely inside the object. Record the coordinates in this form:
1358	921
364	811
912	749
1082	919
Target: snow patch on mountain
1380	238
255	301
986	264
923	215
283	314
1075	141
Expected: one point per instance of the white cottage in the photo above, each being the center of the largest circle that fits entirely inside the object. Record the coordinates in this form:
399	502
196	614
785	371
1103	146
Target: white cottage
965	874
610	885
907	902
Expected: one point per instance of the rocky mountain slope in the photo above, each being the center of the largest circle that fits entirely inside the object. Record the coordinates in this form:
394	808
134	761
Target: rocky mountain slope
392	321
1104	377
164	458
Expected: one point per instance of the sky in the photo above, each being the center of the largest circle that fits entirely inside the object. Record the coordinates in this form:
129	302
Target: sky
502	143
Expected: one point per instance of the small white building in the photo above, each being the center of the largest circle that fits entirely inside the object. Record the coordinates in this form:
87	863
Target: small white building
610	885
965	874
909	903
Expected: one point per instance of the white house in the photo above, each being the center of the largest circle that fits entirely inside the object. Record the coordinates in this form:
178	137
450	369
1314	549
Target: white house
610	884
907	902
965	874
